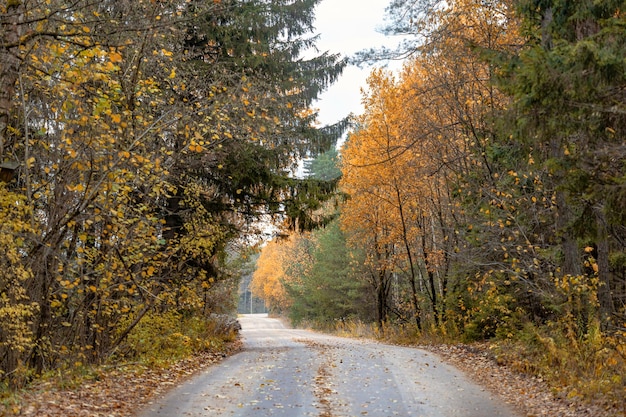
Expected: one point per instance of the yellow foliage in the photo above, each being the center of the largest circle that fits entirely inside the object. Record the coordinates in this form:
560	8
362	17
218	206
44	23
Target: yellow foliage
274	271
16	310
115	57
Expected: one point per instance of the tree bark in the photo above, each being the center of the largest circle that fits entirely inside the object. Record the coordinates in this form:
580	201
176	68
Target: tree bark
10	33
407	247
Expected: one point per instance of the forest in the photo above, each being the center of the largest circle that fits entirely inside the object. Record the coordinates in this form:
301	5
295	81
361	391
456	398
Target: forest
146	145
142	143
482	194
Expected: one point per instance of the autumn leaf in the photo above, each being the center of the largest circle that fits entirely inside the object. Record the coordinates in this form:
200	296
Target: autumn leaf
115	57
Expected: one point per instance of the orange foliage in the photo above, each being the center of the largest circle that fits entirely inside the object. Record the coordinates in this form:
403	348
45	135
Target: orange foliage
282	262
416	142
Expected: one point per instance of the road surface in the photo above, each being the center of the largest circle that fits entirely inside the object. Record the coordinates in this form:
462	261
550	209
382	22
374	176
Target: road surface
288	372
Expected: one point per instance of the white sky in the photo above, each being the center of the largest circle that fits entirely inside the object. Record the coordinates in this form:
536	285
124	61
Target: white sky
345	27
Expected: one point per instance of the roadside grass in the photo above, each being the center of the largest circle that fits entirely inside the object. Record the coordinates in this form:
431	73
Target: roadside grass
157	343
356	328
591	367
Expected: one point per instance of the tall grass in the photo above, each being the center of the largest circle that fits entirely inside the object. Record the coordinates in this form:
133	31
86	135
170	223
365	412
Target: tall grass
591	367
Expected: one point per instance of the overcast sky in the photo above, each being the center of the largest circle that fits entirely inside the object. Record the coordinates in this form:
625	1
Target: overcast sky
345	27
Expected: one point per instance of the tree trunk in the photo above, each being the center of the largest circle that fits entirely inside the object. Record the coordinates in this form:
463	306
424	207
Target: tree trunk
569	246
381	284
407	247
10	33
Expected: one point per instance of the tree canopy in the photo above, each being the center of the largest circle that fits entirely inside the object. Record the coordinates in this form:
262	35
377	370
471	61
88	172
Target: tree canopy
138	141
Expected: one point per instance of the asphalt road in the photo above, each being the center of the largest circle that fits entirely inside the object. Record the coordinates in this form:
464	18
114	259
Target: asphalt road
287	372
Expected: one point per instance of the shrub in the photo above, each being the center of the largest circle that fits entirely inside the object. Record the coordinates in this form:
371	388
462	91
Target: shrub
165	337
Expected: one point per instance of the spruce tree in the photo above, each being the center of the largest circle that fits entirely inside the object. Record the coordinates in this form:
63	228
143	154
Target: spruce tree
250	63
568	119
329	291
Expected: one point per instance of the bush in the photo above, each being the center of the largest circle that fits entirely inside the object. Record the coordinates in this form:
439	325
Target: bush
165	337
488	314
589	366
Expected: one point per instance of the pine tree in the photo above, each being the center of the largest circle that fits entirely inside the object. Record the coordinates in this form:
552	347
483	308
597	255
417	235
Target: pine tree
325	167
330	290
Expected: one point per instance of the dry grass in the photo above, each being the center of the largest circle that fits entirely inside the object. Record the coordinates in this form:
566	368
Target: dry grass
590	368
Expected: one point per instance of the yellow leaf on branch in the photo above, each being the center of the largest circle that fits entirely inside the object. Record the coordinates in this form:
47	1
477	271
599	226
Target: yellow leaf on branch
115	57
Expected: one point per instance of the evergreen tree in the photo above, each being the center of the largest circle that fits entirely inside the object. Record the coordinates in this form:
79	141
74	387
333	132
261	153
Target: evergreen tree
330	290
325	167
250	91
246	58
568	83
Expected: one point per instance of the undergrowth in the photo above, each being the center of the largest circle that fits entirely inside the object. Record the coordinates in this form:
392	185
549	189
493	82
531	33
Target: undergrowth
591	367
158	341
404	334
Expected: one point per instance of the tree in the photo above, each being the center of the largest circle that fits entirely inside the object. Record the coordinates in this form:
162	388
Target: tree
282	265
266	279
513	99
16	310
365	220
330	291
425	166
147	135
325	167
567	84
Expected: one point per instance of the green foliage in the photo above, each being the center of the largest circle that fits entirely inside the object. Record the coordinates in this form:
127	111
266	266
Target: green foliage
245	62
329	292
325	167
565	84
